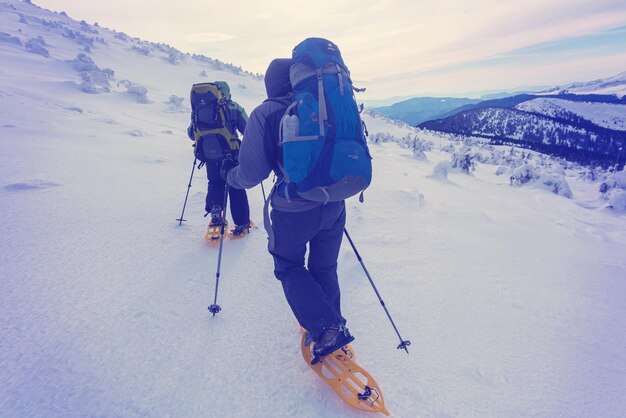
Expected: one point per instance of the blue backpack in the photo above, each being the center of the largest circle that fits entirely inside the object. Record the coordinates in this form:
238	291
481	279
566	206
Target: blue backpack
324	151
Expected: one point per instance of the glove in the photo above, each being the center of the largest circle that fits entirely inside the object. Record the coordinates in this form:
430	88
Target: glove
227	164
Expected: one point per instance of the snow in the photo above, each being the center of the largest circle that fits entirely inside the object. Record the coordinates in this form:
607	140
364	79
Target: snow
611	85
512	297
606	115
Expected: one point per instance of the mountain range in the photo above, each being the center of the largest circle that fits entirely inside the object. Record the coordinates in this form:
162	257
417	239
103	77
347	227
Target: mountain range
582	121
420	109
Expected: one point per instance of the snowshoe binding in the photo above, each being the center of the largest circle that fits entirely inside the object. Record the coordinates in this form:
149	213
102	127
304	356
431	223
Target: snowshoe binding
332	339
214	230
240	231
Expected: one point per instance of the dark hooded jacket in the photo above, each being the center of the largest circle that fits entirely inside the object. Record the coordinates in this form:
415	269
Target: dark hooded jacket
259	152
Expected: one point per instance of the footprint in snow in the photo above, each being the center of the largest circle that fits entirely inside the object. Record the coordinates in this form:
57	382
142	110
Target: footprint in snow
35	184
153	160
135	132
108	121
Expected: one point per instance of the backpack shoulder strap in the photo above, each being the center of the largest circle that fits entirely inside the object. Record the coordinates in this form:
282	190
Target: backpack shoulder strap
285	100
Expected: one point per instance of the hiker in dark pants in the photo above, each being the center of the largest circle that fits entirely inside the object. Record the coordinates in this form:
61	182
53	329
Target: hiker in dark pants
311	288
240	211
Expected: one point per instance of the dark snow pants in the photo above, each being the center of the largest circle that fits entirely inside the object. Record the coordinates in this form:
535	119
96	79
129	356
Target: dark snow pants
238	199
312	291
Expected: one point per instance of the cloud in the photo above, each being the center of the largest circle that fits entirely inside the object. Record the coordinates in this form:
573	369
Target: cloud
208	37
414	46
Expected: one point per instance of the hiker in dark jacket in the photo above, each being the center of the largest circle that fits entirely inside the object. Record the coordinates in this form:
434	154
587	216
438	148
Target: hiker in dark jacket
239	208
312	291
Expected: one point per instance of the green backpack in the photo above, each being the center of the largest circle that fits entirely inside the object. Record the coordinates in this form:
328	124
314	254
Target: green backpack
214	137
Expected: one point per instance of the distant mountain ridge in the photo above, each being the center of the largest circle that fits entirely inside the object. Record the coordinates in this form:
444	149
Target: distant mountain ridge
615	85
512	101
590	129
419	109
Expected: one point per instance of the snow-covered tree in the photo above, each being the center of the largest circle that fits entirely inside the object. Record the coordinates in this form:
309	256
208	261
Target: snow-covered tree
462	160
613	190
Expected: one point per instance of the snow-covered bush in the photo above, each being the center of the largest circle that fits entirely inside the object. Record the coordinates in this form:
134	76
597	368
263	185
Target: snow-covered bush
175	104
613	189
175	57
84	63
440	171
84	26
122	37
554	183
501	170
591	174
448	148
380	137
142	50
463	161
419	146
617	200
422	144
527	174
203	74
419	155
94	79
203	59
242	86
37	46
78	37
91	86
480	155
138	92
6	38
616	180
524	174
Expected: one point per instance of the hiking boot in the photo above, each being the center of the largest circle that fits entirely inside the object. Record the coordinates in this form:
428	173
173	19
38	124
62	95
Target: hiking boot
216	215
241	229
332	339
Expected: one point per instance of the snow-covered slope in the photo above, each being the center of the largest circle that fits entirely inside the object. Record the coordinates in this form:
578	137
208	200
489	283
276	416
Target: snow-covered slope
606	115
611	85
512	296
564	134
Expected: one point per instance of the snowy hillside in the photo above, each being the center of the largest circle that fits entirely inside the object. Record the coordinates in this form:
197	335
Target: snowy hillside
504	267
606	115
555	131
586	129
612	85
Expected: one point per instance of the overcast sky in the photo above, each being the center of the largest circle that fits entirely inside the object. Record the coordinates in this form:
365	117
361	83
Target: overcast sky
392	47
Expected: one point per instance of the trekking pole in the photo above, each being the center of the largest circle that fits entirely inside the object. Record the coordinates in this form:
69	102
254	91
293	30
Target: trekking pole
215	308
181	220
263	190
403	343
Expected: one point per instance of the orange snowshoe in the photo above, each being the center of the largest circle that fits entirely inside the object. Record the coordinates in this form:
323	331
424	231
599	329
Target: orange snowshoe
351	382
214	231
